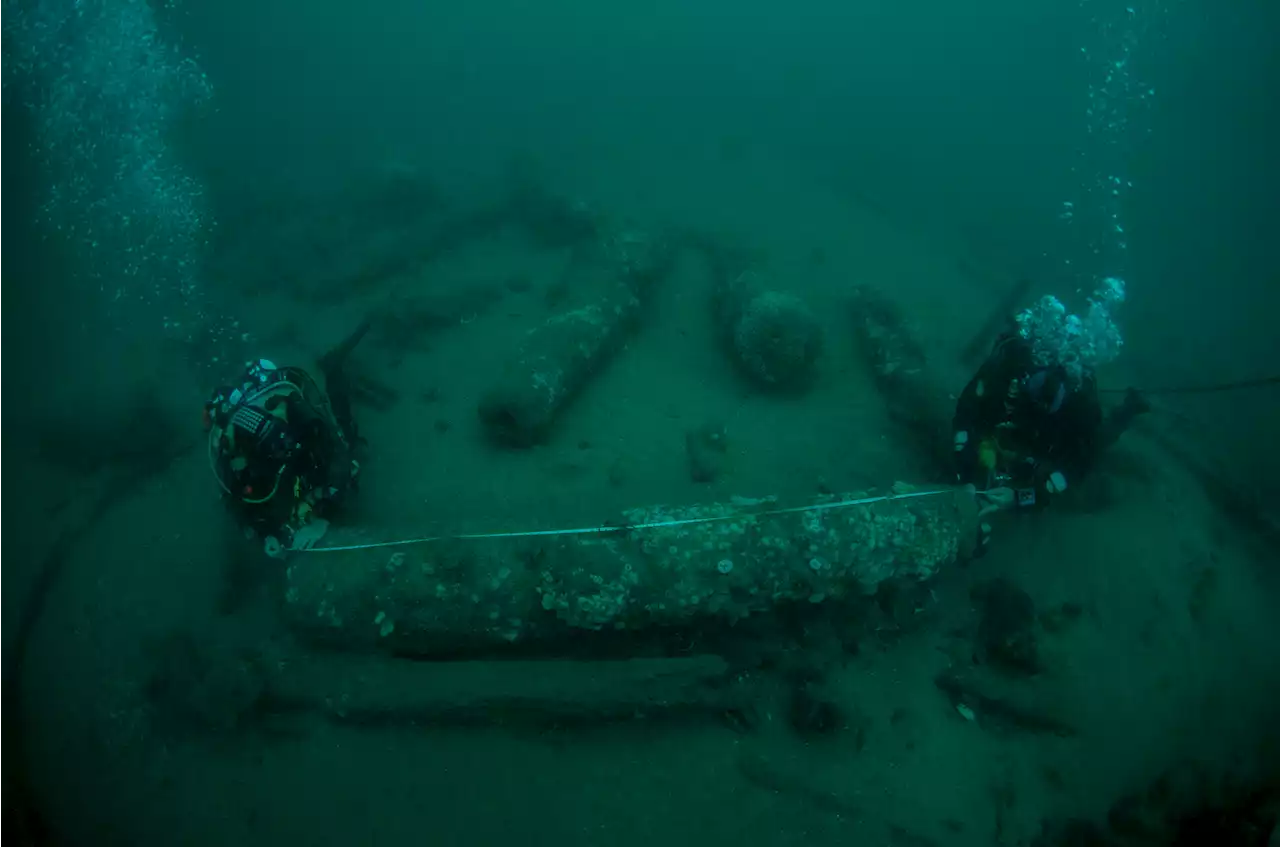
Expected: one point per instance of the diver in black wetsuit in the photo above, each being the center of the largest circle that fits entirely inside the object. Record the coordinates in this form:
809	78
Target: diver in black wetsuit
283	450
1025	433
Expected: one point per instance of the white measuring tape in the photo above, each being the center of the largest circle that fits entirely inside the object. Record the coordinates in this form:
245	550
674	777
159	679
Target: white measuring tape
600	530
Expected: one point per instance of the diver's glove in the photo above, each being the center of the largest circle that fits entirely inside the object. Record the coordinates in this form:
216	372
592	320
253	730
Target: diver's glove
309	534
1055	483
988	501
996	500
303	538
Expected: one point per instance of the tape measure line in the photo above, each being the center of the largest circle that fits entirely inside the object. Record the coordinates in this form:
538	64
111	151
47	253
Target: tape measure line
601	530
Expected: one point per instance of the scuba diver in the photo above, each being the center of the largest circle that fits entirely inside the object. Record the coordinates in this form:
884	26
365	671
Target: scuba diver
282	449
1030	423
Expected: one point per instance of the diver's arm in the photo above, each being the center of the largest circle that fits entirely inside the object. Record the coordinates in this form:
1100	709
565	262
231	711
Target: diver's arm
290	508
979	411
1077	448
966	434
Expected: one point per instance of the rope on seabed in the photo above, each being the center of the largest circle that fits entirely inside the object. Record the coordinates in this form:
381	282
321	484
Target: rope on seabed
1260	382
602	530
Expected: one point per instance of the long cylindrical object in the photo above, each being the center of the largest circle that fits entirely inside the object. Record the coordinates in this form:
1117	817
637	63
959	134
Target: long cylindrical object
554	362
558	358
378	689
700	564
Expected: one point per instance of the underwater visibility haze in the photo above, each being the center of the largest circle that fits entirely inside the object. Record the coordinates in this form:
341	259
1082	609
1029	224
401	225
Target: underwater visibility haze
578	423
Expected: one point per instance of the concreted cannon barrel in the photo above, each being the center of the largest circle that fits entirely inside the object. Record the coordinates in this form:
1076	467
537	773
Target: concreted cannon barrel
558	358
659	567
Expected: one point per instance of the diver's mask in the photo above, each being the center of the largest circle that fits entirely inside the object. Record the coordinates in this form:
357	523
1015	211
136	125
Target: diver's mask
1046	389
260	371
